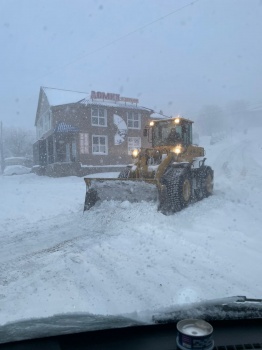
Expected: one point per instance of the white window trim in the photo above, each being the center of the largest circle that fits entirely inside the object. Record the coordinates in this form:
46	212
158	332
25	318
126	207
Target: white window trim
139	121
83	143
129	149
106	144
104	117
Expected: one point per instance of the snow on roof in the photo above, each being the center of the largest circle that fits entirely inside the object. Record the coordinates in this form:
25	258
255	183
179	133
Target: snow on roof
109	103
156	115
65	128
14	158
57	97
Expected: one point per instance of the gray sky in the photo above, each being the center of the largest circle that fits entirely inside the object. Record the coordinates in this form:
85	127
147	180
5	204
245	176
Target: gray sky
209	52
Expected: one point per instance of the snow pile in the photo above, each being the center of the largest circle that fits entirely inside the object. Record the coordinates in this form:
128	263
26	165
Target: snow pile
16	170
123	257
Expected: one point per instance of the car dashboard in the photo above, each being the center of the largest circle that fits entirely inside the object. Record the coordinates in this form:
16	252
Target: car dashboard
228	335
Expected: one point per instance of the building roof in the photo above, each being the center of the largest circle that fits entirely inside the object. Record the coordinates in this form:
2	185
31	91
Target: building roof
57	97
156	115
107	103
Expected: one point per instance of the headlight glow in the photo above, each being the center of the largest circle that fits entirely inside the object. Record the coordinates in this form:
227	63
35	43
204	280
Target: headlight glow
177	121
177	150
151	123
135	153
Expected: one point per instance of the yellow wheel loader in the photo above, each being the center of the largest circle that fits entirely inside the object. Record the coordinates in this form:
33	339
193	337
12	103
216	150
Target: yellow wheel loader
172	172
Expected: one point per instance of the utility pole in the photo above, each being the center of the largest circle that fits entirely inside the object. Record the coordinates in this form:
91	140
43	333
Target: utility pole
2	148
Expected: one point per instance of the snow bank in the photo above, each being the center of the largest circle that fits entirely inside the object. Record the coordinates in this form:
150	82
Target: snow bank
16	170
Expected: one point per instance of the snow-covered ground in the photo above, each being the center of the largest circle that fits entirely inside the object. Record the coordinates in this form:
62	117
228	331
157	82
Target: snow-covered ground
126	257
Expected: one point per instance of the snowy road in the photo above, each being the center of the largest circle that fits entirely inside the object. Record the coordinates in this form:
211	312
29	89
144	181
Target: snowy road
127	257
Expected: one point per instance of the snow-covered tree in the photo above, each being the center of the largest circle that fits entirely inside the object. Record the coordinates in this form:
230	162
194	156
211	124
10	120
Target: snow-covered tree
18	142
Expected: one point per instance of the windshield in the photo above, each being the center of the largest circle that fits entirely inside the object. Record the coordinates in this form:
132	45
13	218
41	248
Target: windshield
166	133
80	81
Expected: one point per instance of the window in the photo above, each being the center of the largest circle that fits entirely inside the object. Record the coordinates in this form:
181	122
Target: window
44	123
99	144
38	131
39	127
83	143
99	117
133	143
133	120
73	151
67	158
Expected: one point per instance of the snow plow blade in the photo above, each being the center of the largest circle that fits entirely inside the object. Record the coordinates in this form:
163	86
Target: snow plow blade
132	190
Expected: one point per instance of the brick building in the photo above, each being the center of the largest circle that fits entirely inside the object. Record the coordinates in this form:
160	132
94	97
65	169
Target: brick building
80	133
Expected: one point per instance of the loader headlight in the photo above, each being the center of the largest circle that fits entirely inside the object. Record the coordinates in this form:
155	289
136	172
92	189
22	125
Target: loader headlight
177	150
135	153
151	123
177	121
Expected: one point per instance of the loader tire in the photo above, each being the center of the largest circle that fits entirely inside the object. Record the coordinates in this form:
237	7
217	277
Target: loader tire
124	174
206	177
207	184
179	190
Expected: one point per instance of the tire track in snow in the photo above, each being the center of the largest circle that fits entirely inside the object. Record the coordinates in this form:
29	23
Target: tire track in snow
105	218
92	227
25	264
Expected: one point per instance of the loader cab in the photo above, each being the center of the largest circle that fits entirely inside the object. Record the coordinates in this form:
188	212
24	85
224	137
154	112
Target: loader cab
170	132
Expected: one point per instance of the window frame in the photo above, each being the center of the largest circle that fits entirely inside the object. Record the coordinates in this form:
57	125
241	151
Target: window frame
83	143
132	120
106	145
129	149
99	117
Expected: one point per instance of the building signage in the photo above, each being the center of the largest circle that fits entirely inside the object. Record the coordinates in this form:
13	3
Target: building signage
112	97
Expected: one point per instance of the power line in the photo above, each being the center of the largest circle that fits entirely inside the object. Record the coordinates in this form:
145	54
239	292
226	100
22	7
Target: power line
140	28
122	37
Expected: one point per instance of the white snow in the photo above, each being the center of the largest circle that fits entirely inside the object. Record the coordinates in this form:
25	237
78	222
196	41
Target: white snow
156	115
57	97
123	257
109	103
103	166
16	170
